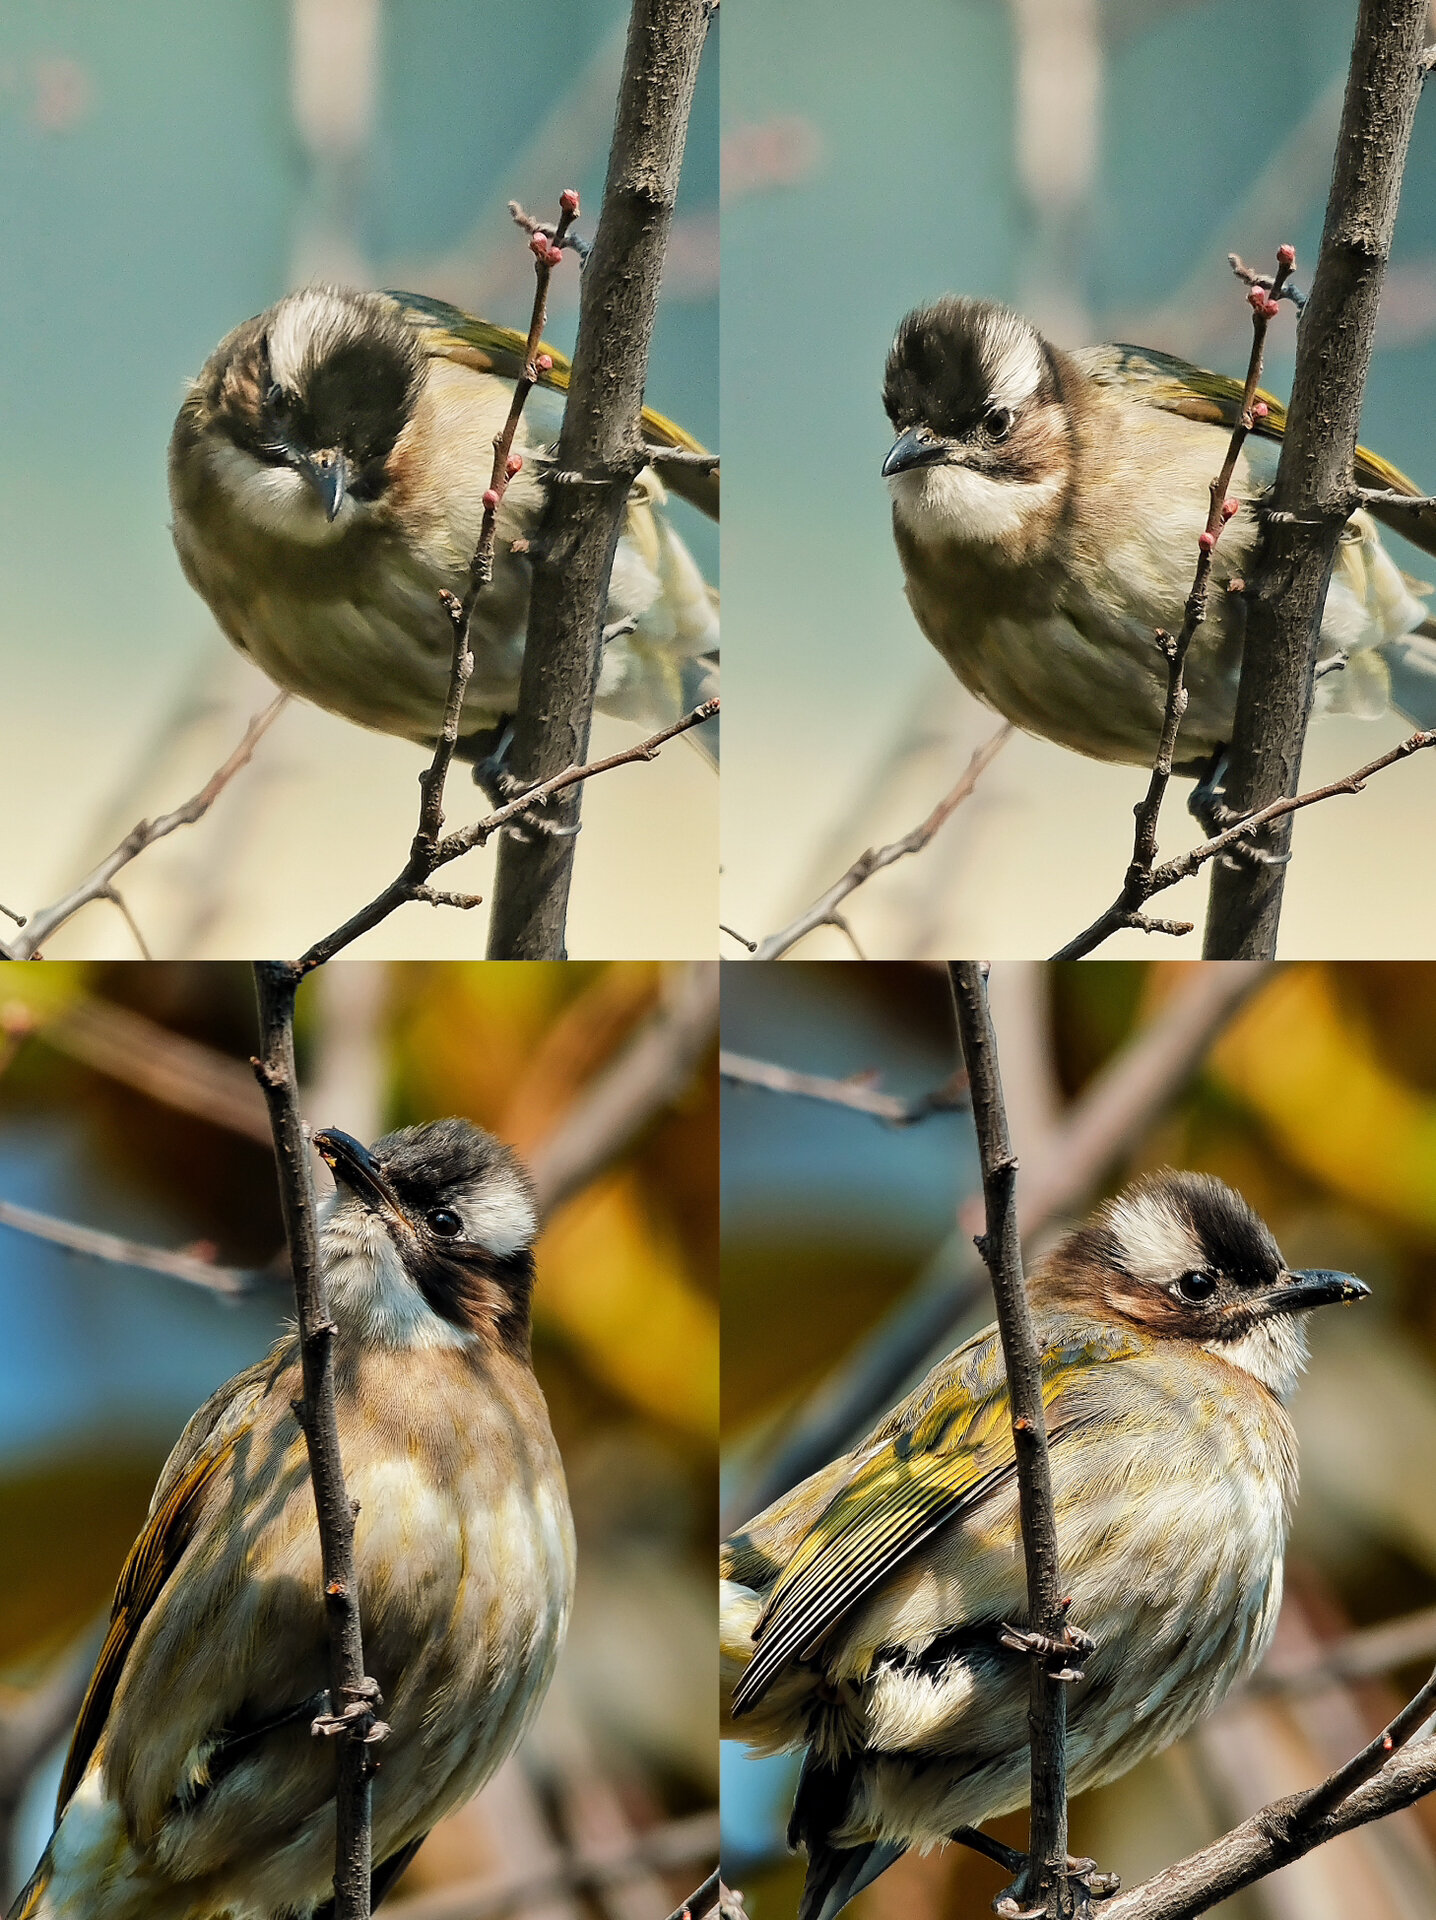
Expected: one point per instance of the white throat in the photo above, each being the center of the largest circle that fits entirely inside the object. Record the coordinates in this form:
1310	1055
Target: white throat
369	1292
955	503
1273	1351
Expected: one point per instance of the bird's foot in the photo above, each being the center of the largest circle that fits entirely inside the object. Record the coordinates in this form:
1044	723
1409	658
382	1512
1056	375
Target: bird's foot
1026	1898
490	773
1050	1647
1207	804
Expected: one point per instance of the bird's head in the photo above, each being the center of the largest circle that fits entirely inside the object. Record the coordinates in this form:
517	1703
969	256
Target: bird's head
984	438
1181	1256
304	406
428	1238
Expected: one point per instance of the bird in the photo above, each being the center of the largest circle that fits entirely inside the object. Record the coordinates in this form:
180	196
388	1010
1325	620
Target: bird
863	1614
194	1788
1046	507
327	472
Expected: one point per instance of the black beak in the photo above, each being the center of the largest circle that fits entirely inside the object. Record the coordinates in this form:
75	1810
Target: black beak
328	474
914	448
1296	1292
353	1166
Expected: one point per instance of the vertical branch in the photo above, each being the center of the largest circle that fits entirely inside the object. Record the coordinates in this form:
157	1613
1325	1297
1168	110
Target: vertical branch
1314	490
1048	1636
599	455
352	1695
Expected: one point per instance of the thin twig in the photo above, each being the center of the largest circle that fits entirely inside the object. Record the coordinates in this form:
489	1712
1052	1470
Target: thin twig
1054	1642
116	1250
858	1093
701	1901
1137	886
1186	864
824	910
600	452
1286	588
353	1696
648	1075
98	884
426	855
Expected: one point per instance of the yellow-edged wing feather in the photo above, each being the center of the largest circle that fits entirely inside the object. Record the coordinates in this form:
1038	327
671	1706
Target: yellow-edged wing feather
1176	386
452	334
919	1474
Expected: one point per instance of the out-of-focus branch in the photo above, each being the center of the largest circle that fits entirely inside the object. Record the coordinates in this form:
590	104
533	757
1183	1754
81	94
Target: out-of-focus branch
600	451
118	1251
824	910
1048	1638
1286	594
99	884
1114	1111
859	1093
1357	1656
667	1848
648	1074
353	1696
701	1901
31	1724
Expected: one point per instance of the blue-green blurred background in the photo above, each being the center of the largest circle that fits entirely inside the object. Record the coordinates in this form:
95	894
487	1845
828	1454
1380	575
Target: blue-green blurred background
168	170
1090	162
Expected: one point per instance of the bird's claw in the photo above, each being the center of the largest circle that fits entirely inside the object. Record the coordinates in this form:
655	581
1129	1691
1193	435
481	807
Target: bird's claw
1016	1902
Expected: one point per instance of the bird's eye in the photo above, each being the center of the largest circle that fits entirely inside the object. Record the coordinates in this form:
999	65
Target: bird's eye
1197	1286
998	423
446	1223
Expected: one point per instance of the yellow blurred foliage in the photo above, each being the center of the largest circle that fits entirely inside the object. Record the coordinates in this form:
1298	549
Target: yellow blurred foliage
1305	1062
618	1287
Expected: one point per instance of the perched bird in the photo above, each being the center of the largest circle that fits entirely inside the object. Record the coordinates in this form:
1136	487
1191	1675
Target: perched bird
327	473
1046	508
194	1788
863	1613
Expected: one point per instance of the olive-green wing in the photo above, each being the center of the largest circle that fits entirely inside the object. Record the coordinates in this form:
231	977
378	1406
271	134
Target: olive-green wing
451	334
908	1487
1176	386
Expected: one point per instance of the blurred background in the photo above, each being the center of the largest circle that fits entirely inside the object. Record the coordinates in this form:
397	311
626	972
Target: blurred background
172	170
847	1269
1090	162
127	1104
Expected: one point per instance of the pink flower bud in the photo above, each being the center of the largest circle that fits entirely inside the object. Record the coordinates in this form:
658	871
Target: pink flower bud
568	200
1206	541
1230	507
515	464
544	363
555	254
538	245
491	497
1271	309
1286	255
1256	299
1260	410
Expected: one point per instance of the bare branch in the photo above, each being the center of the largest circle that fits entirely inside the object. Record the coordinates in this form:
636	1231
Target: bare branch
1286	594
113	1248
1052	1643
599	453
1357	1656
425	856
1186	864
858	1093
98	884
701	1901
824	911
353	1696
1137	883
648	1075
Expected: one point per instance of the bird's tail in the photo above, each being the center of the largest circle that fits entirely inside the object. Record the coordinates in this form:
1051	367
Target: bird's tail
838	1874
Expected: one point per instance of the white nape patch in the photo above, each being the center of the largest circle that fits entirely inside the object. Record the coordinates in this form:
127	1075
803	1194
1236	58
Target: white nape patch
497	1212
1012	358
278	499
306	329
953	502
1273	1351
1160	1243
368	1288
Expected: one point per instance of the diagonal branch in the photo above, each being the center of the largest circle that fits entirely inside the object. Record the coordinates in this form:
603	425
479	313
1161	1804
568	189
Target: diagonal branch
116	1250
1048	1637
858	1093
353	1697
99	884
